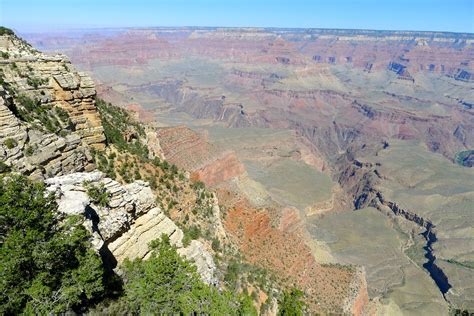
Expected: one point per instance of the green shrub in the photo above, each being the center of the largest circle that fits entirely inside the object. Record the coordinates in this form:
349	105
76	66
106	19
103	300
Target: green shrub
247	307
232	273
116	122
191	233
63	115
98	194
292	303
29	151
36	82
30	110
4	167
198	185
216	245
10	143
5	55
169	285
6	31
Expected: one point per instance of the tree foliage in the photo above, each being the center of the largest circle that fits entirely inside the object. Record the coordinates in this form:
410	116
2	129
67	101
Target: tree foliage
117	123
292	303
98	193
46	265
167	284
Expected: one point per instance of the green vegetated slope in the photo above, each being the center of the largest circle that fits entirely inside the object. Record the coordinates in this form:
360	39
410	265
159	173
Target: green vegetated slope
48	265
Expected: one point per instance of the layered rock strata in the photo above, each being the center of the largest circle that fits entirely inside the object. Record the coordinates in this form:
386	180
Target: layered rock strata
128	223
47	83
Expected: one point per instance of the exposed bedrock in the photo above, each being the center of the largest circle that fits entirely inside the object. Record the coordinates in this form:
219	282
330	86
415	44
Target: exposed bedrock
219	170
130	220
206	162
352	124
436	273
33	83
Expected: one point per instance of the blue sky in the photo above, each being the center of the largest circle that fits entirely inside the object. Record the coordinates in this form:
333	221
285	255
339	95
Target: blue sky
435	15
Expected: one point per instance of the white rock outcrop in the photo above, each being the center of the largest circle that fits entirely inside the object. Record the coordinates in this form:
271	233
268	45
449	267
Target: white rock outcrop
129	222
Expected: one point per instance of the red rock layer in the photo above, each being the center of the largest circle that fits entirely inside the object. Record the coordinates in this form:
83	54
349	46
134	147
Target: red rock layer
219	170
284	251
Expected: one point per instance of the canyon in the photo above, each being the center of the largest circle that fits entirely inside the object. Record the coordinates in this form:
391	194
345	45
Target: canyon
334	154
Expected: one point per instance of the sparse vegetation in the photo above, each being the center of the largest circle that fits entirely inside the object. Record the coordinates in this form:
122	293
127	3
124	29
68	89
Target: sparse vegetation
36	82
10	143
191	233
51	119
120	129
292	303
168	284
4	167
29	151
98	194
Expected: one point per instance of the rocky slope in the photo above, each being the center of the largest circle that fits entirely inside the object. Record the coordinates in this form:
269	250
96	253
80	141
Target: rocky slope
34	83
268	239
131	219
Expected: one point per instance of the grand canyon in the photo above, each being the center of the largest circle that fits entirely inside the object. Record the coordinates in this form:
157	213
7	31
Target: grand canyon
339	161
358	142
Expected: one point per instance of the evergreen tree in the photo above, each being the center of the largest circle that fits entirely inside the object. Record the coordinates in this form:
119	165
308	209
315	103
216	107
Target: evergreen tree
292	303
46	265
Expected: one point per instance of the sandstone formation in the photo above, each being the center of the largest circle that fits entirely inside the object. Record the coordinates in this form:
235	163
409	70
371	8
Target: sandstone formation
35	86
219	170
129	221
206	162
184	147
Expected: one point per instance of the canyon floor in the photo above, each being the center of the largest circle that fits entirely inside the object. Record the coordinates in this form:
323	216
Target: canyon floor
350	140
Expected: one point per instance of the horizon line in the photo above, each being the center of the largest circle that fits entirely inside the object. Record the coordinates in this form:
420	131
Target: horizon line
263	28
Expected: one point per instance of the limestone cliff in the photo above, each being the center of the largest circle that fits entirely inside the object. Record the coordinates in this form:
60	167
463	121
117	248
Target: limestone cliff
128	222
48	116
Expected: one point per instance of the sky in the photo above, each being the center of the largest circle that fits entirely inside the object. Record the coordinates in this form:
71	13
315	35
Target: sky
419	15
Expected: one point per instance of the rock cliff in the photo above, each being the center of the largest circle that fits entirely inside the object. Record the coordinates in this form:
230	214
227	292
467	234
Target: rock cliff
48	117
128	222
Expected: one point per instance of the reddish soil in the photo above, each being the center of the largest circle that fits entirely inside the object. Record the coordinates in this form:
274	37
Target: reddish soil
277	244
